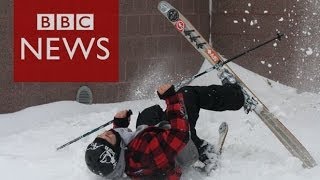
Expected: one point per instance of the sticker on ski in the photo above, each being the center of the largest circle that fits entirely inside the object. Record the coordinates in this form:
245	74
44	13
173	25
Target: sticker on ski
173	15
213	55
180	25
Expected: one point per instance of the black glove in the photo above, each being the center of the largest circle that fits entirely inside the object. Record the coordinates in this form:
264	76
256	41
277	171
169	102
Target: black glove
168	93
151	116
122	122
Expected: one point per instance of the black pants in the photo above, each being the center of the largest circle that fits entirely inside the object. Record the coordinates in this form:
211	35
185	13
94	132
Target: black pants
214	97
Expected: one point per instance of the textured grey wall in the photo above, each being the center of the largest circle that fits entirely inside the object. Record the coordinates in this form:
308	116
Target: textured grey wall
151	52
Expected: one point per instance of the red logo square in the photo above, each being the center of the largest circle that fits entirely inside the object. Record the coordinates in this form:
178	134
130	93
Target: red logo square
66	41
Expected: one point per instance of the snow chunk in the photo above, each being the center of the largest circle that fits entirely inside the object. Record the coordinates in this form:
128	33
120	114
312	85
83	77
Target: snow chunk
253	22
275	44
225	12
235	21
265	12
249	4
281	19
309	51
263	62
244	20
246	11
269	65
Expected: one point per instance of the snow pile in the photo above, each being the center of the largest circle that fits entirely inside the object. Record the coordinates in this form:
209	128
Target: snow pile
29	138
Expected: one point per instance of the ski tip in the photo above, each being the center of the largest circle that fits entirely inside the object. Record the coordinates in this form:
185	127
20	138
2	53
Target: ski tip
164	6
223	127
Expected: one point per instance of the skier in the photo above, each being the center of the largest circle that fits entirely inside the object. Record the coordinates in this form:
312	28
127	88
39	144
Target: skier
160	145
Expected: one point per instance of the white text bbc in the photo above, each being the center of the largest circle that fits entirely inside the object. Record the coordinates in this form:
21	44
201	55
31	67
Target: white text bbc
65	22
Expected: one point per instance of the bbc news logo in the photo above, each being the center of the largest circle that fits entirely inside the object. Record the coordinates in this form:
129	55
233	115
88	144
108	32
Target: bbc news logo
65	21
66	41
71	22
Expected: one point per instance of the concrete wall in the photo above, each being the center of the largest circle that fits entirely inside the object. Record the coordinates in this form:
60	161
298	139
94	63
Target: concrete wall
151	52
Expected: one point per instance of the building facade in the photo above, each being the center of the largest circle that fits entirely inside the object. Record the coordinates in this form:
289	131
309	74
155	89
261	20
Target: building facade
153	52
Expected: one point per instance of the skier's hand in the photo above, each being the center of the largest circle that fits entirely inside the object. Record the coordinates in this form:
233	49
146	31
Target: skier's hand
165	91
163	88
122	119
121	114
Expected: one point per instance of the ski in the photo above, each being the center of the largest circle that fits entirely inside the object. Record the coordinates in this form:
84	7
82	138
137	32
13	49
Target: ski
223	131
290	142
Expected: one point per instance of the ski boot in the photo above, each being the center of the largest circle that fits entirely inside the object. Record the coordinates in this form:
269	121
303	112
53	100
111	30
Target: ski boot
249	102
226	77
208	156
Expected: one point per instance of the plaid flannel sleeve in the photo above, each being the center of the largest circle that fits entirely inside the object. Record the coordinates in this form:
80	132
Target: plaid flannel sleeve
176	113
166	146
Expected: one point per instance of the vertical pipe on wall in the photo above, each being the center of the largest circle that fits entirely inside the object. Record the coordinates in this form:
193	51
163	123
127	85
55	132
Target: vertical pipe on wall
210	21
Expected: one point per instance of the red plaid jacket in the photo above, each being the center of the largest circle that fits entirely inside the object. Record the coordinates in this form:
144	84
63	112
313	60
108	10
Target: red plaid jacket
152	152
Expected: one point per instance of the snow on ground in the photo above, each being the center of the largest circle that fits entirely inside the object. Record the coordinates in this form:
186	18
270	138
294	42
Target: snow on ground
29	138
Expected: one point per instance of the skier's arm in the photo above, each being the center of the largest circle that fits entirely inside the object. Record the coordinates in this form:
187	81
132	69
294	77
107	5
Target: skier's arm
176	111
167	144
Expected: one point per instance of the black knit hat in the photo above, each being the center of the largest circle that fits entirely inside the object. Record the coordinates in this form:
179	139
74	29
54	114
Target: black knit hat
102	157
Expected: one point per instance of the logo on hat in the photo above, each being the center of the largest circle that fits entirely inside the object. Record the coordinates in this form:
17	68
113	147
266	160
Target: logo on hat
108	156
